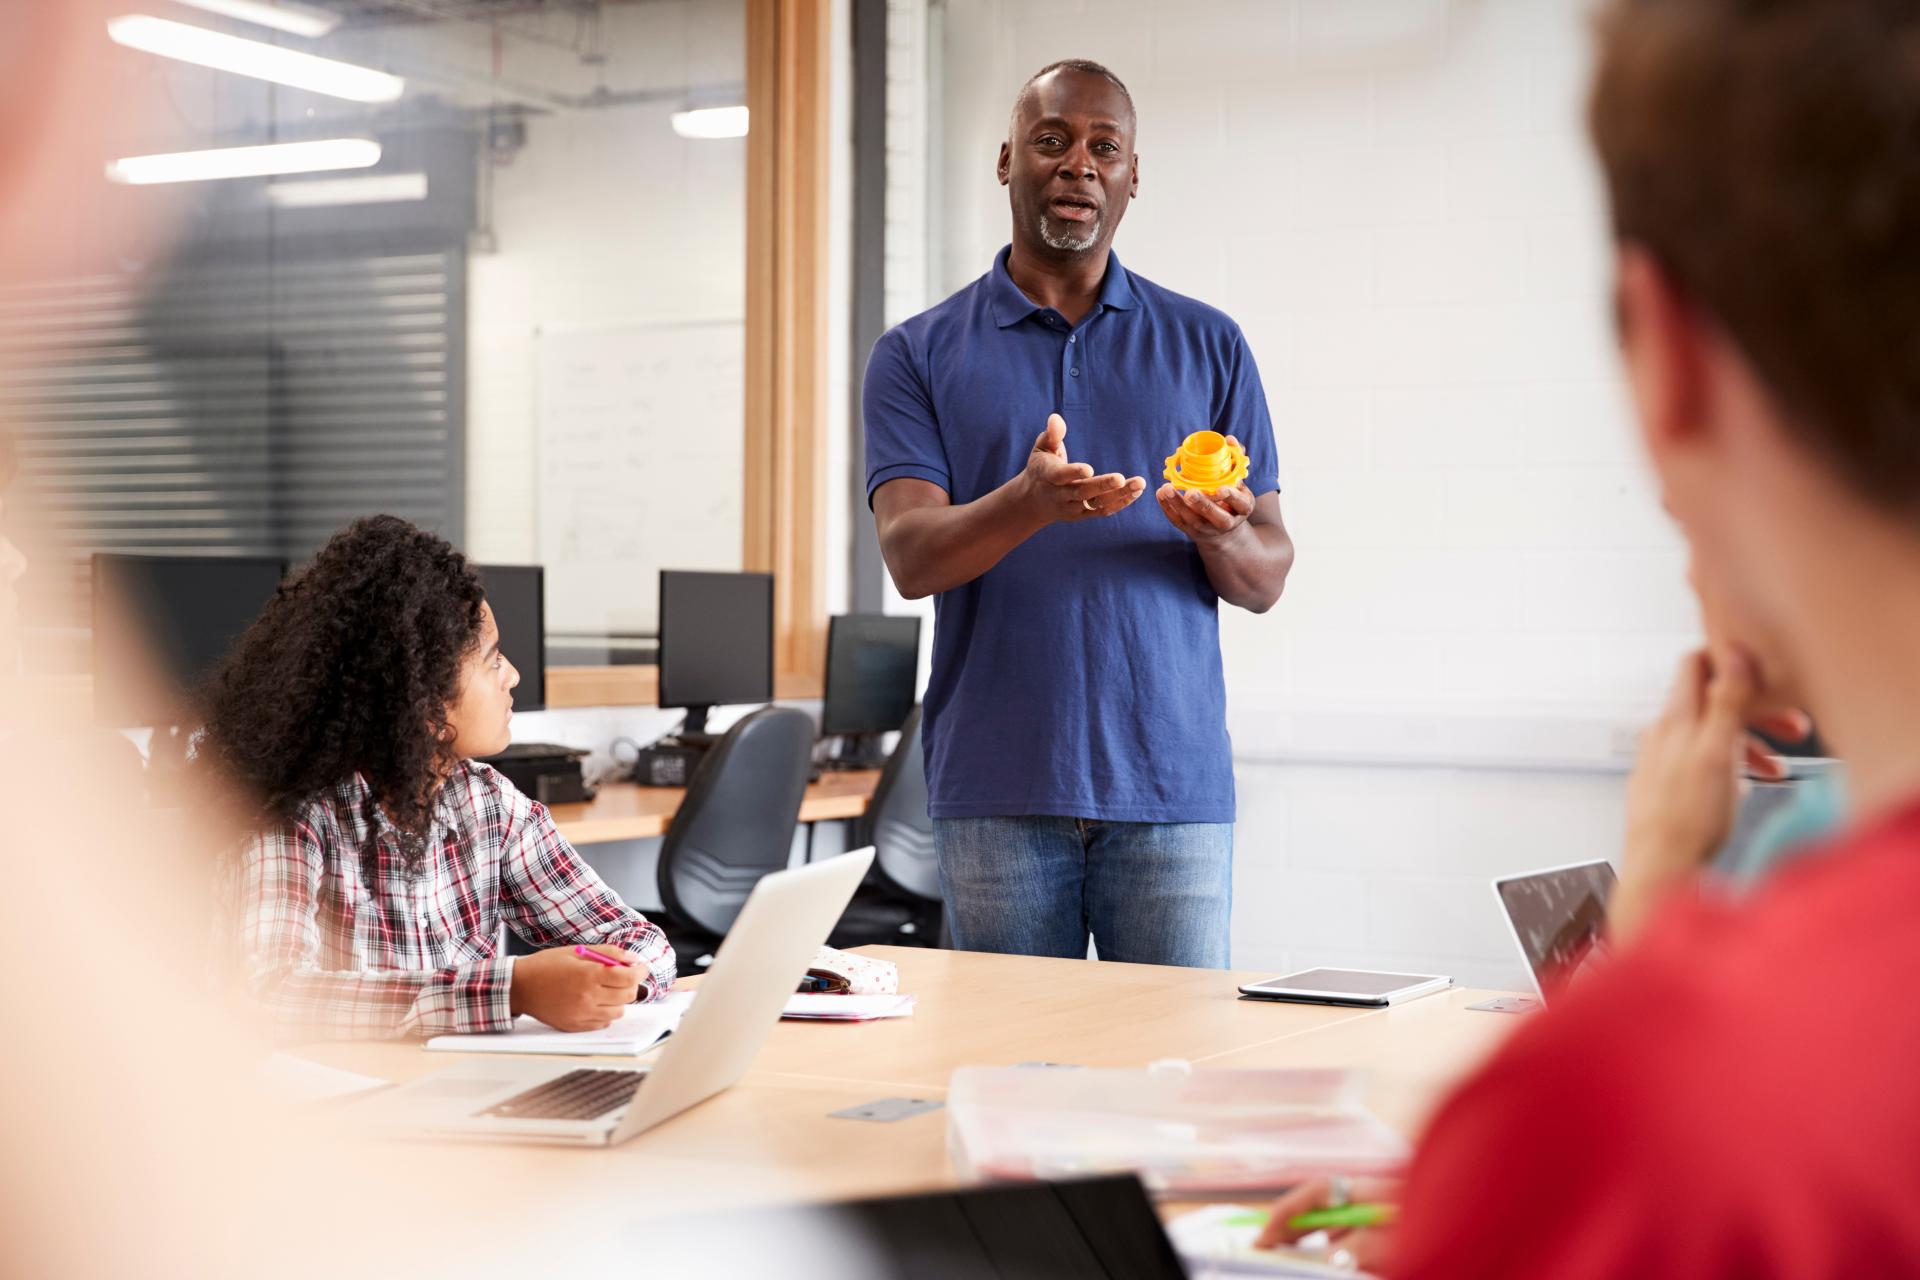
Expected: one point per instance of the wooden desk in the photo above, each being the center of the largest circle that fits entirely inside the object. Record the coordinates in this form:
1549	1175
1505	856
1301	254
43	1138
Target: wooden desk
770	1137
977	1009
628	811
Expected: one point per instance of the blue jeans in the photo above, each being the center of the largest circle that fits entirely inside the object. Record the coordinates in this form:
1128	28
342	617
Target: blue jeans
1148	892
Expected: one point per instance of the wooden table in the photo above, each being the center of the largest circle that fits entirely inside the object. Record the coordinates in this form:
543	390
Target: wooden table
770	1139
629	811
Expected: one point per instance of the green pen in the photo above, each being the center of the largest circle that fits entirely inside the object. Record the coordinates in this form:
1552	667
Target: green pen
1346	1215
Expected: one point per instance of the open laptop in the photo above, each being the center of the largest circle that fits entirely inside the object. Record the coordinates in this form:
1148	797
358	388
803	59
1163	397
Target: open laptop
760	964
1558	917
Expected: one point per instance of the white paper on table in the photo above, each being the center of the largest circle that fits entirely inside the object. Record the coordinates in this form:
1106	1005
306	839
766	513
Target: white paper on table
295	1079
827	1007
633	1033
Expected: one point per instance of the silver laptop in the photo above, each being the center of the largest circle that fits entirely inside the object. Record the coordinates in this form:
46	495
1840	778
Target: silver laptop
1558	917
760	964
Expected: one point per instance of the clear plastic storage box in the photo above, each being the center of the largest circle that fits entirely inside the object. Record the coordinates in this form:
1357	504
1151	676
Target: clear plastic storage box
1185	1132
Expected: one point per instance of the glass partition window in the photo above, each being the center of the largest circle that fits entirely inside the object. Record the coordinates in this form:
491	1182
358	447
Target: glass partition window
475	263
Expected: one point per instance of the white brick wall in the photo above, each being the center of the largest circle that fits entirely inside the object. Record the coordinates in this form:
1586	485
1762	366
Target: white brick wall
909	128
912	186
1382	867
1395	200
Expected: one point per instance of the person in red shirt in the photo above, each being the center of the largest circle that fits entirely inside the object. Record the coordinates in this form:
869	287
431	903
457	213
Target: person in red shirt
1734	1096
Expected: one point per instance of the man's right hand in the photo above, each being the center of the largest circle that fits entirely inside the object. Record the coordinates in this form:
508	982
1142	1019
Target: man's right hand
572	993
1366	1248
932	546
1053	489
1685	785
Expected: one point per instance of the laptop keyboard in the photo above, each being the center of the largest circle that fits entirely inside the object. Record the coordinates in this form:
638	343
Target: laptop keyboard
577	1095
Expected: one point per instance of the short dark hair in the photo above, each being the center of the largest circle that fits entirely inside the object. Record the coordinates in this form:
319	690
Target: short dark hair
351	669
1085	66
1767	154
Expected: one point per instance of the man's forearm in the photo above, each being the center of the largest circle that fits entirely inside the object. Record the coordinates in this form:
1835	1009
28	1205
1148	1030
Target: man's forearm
936	548
1248	568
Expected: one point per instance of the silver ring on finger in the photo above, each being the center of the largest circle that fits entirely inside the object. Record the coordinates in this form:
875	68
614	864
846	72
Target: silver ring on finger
1339	1191
1088	504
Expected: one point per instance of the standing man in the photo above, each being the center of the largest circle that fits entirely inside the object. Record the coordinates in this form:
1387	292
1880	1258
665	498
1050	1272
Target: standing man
1079	771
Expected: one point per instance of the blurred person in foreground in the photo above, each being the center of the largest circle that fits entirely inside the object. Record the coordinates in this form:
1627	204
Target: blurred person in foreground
138	1140
1733	1095
123	1135
384	859
13	565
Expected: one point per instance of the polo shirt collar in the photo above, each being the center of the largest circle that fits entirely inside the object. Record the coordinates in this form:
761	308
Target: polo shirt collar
1010	306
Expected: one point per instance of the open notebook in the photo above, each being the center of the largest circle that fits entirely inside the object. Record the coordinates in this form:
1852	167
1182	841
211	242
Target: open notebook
638	1030
646	1025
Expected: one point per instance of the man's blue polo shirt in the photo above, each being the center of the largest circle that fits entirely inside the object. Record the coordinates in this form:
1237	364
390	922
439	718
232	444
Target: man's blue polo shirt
1080	676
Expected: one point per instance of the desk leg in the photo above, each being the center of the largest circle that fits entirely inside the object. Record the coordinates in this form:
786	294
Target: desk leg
809	850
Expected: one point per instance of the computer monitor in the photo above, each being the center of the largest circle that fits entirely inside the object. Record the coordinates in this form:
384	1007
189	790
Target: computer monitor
161	624
518	594
716	643
873	668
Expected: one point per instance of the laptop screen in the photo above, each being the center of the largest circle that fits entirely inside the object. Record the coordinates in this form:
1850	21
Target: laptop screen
1559	916
1098	1227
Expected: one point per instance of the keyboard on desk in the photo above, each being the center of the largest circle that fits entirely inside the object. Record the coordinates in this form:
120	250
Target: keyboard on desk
515	751
578	1095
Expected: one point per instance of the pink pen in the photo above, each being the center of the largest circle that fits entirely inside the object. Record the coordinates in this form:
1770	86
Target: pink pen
597	958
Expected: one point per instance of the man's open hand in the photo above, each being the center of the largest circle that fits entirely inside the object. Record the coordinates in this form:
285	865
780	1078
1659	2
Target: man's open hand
1054	489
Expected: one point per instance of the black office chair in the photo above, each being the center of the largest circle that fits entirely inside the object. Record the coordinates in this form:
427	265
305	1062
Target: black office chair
899	902
735	826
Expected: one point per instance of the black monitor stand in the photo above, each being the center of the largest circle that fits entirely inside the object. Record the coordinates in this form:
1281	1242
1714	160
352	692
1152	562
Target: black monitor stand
857	751
693	731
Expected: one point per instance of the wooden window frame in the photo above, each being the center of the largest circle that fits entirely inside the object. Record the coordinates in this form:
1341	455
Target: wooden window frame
785	485
789	70
789	101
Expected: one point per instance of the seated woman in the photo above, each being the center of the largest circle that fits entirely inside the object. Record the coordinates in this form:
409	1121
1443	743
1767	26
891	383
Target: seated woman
384	859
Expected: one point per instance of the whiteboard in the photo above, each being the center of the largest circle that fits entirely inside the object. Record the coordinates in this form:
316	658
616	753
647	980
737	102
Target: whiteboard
638	433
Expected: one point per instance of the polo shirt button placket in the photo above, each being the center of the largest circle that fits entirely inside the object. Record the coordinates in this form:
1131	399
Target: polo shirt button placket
1074	387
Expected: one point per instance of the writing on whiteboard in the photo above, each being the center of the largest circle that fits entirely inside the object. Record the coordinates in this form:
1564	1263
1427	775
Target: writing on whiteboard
639	459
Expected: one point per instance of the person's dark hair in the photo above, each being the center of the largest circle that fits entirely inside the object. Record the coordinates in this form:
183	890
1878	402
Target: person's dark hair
1767	154
1084	66
351	669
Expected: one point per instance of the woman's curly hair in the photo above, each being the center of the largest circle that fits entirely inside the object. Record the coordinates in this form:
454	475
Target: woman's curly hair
351	669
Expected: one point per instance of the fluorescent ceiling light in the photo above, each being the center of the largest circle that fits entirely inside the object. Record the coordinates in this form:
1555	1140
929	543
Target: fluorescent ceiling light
294	19
247	162
378	188
711	122
253	58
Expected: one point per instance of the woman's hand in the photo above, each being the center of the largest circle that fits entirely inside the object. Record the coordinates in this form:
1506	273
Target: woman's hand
570	992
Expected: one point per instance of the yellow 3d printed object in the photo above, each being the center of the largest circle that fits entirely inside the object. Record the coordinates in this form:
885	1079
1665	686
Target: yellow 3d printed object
1207	461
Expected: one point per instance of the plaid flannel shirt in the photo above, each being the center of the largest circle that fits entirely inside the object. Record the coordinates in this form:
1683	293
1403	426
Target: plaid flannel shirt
341	945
